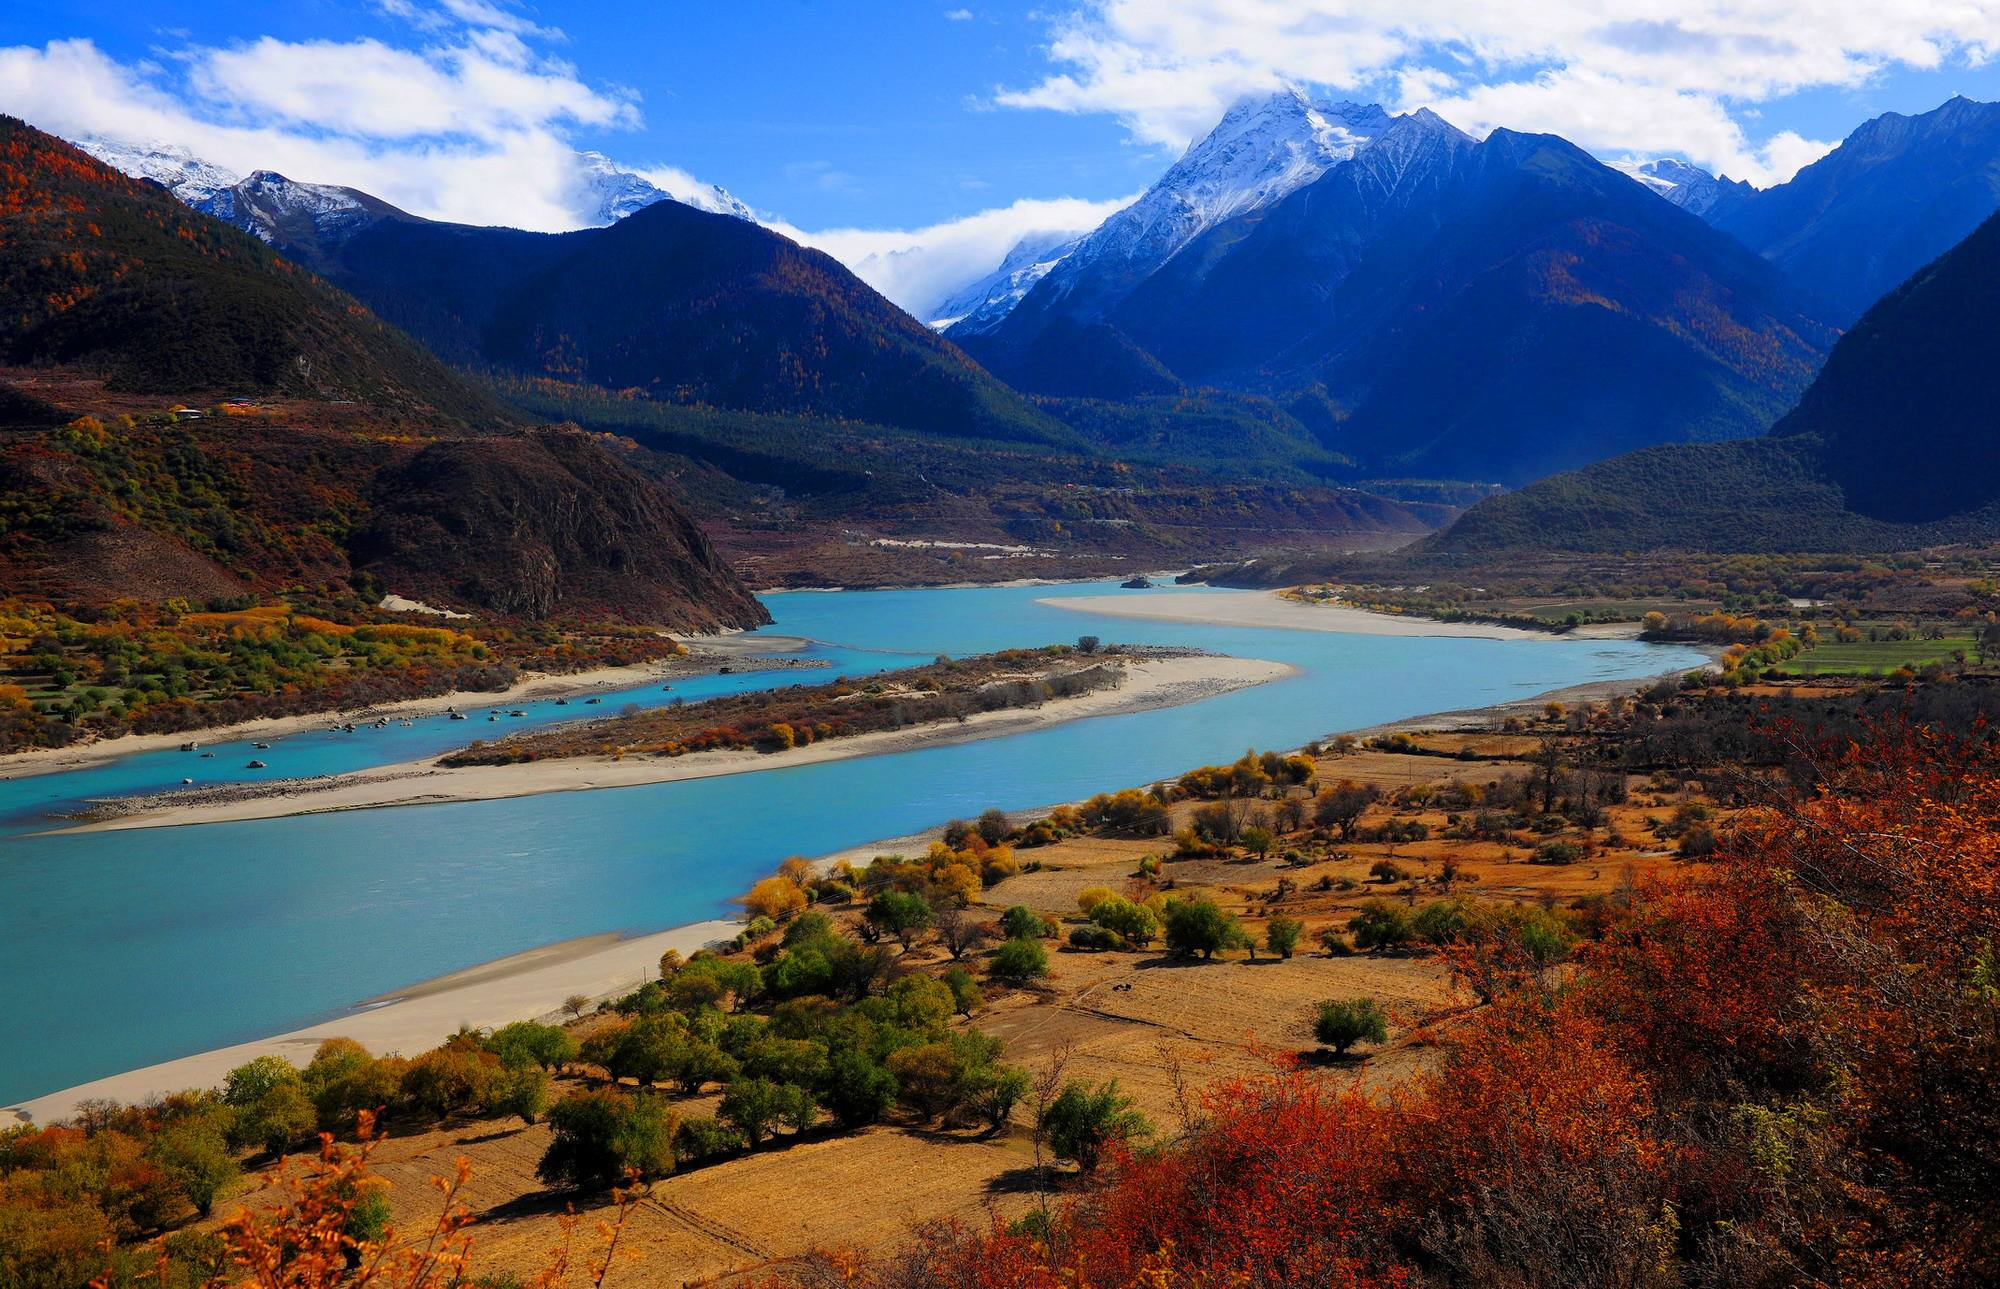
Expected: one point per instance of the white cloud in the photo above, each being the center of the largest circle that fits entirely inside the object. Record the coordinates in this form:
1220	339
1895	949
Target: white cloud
1620	75
919	267
473	126
958	15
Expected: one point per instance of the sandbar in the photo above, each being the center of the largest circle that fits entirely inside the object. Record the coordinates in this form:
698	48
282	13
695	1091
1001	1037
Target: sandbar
1270	609
1152	682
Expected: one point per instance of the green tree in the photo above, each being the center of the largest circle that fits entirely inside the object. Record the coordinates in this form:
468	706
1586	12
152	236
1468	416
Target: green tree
899	913
525	1092
699	1064
1343	1023
858	1090
1134	924
194	1152
250	1082
965	996
1019	961
1281	935
1380	924
648	1049
994	1090
527	1042
1083	1121
935	1079
279	1120
702	1137
755	1107
1020	922
1199	926
1440	921
600	1136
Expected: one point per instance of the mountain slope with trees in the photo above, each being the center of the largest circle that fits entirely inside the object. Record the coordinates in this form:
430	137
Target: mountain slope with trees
315	426
1892	446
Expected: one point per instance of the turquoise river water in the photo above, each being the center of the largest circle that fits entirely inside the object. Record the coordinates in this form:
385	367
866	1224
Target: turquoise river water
122	949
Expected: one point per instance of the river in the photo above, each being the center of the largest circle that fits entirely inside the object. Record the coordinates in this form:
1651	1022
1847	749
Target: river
120	949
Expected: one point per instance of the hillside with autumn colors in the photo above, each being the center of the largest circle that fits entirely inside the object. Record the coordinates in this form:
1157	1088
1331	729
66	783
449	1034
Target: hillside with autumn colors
106	273
188	414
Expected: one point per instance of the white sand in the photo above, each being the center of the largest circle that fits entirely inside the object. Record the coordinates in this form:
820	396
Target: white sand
1270	609
1153	682
532	686
527	986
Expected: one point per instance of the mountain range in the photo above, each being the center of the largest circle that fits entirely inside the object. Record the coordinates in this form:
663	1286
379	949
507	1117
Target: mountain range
1892	447
1897	193
336	449
607	191
1377	295
1431	304
680	303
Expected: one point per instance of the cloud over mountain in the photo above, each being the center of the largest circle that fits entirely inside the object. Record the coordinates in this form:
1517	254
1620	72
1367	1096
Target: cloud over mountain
1613	75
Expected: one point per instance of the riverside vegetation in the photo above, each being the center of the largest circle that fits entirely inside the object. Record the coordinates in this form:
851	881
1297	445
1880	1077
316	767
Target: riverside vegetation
84	672
1732	950
800	715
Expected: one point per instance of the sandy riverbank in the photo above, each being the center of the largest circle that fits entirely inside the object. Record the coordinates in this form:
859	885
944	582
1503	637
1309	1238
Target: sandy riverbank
1154	682
706	654
526	986
1270	609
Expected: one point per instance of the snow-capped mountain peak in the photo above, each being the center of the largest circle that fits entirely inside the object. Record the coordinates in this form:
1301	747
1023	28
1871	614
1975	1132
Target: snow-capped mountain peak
1690	187
1265	147
616	192
989	298
281	210
174	168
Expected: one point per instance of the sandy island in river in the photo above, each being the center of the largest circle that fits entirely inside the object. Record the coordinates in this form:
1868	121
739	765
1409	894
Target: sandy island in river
1152	682
707	654
1270	609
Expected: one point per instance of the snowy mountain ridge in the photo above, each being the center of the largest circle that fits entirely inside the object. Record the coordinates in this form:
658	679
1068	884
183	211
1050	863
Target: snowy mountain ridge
1264	148
617	192
1690	187
266	201
988	299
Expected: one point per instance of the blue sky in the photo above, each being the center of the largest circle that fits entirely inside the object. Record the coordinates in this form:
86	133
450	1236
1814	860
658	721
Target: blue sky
917	139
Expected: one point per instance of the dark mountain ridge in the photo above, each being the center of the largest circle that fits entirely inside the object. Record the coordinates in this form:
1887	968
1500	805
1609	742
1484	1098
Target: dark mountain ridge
1896	194
678	304
1893	446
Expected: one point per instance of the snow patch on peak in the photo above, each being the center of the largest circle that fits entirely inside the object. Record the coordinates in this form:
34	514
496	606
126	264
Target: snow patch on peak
1690	187
1265	147
174	168
614	192
988	299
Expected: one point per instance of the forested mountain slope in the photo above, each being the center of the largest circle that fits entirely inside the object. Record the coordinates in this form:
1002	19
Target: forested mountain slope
317	432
